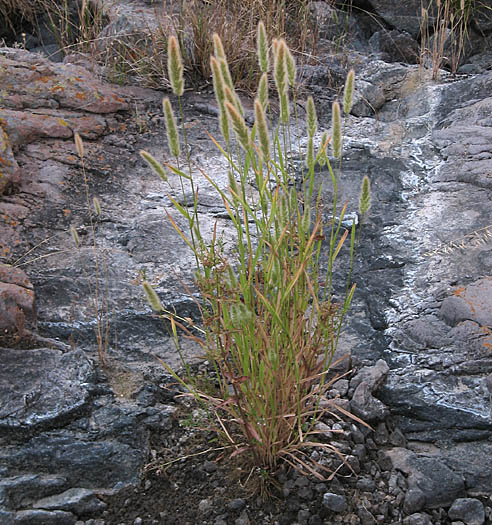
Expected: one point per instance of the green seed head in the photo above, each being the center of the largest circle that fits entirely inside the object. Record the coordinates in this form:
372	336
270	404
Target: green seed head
152	297
224	125
306	218
238	125
310	154
262	127
263	91
218	47
365	196
97	206
232	183
218	81
312	121
280	66
155	165
75	236
336	130
171	128
79	145
262	42
284	108
291	66
321	157
348	93
175	66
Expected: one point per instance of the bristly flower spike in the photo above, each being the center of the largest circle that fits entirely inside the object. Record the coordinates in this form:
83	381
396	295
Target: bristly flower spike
75	236
312	120
262	127
152	297
218	81
321	157
365	196
336	130
280	68
97	206
155	165
348	92
175	66
238	125
171	128
262	43
218	47
79	145
263	91
291	66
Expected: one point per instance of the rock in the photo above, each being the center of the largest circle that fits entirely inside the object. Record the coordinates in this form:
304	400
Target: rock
236	504
40	83
395	46
334	24
468	510
17	307
76	500
21	491
373	376
24	127
10	172
414	501
367	407
429	475
335	502
33	394
404	17
43	517
472	303
417	519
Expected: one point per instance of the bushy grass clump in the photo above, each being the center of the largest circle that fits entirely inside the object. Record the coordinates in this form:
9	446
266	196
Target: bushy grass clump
270	321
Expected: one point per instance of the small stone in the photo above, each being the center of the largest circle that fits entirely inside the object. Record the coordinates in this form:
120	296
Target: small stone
414	501
365	516
204	505
335	502
236	504
243	519
397	439
468	510
381	435
366	484
138	521
417	519
303	517
210	466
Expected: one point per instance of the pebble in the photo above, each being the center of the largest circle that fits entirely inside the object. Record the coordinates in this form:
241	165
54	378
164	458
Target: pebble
236	504
335	502
468	510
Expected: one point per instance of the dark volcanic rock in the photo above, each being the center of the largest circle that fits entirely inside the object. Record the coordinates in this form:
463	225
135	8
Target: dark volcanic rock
468	510
41	386
437	482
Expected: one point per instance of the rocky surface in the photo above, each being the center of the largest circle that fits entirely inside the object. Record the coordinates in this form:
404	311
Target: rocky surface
74	434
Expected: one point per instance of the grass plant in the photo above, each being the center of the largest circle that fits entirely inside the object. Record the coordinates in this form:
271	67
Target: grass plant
445	31
98	295
271	323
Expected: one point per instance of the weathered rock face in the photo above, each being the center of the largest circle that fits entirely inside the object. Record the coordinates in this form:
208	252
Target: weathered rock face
17	308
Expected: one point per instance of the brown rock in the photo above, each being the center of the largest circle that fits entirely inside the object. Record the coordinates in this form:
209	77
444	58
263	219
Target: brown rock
9	169
17	307
29	80
24	127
